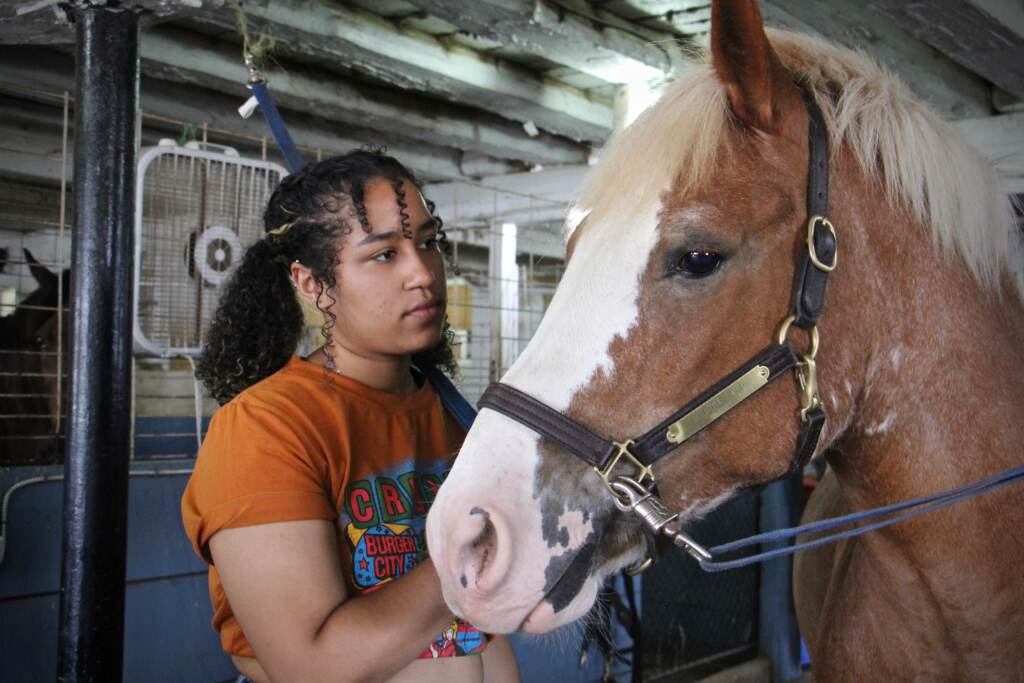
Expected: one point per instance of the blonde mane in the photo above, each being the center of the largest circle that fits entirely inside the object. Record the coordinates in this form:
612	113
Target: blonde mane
925	164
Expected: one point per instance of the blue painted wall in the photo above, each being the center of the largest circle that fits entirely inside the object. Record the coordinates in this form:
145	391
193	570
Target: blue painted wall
167	613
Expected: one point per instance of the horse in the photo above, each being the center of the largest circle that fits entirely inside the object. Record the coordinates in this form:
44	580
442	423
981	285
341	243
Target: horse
33	358
682	252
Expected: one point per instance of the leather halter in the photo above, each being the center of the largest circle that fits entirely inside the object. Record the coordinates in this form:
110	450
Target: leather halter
816	261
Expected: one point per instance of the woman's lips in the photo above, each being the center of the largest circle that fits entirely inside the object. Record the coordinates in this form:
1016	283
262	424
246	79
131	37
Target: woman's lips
425	312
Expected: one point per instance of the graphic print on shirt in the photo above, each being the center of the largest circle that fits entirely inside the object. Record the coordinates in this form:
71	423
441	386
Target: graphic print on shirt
381	553
384	520
457	640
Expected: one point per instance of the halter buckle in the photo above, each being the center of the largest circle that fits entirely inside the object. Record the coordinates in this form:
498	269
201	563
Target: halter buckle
642	471
812	252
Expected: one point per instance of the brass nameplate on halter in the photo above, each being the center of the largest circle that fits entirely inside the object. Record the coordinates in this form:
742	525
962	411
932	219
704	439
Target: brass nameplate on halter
718	405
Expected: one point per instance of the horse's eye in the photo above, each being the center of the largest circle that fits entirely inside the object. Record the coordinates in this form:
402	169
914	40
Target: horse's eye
40	342
699	263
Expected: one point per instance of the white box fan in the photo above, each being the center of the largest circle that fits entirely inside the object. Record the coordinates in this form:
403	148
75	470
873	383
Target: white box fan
196	211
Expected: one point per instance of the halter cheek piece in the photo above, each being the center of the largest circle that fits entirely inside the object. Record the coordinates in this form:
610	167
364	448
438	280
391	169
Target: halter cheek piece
633	490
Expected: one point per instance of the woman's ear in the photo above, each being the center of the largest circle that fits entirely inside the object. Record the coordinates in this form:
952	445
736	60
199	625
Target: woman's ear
306	286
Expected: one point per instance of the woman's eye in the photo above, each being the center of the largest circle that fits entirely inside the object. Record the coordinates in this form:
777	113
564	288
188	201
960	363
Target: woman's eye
429	243
385	255
699	263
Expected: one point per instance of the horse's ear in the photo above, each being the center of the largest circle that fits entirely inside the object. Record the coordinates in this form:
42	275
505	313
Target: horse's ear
40	272
757	85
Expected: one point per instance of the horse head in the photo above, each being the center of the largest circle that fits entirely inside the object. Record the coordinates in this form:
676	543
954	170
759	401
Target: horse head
681	256
34	355
35	310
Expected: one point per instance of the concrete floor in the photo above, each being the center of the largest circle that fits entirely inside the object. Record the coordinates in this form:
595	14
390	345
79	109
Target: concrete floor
755	671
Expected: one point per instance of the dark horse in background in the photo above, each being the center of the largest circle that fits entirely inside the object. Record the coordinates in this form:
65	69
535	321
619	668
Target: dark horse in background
33	371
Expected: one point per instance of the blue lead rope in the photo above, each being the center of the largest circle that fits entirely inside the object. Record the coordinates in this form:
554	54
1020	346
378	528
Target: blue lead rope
924	503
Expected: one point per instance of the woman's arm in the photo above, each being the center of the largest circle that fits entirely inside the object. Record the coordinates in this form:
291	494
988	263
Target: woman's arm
500	661
285	585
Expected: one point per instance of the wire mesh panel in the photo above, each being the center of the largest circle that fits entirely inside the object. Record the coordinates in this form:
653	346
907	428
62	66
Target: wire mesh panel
197	211
509	252
34	299
695	623
33	360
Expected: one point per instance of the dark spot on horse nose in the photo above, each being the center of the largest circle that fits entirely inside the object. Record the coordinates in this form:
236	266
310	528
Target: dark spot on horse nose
480	511
462	580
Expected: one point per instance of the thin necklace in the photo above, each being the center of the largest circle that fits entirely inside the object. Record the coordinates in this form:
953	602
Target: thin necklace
410	388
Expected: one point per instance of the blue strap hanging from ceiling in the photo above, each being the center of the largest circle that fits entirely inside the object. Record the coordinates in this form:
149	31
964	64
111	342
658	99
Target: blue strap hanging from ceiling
277	127
261	97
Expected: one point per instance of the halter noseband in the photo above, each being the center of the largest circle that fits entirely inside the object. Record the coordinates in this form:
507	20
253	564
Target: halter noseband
634	491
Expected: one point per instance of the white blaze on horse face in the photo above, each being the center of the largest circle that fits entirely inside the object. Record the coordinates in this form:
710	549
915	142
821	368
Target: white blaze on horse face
597	300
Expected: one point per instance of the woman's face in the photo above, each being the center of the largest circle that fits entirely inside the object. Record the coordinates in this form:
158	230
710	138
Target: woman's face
390	293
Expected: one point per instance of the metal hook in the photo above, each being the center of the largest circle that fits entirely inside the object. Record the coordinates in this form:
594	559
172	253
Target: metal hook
630	496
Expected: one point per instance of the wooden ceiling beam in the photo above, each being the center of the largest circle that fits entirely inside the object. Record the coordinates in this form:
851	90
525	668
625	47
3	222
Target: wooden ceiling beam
573	34
359	41
177	55
955	92
966	34
52	72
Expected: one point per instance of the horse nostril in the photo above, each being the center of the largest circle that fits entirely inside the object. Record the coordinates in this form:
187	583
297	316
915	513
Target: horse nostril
481	547
479	558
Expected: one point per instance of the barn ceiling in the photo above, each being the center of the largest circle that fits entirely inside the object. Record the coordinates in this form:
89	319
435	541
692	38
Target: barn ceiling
473	88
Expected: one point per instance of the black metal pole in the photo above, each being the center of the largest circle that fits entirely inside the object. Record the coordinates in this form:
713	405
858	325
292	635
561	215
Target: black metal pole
96	468
779	633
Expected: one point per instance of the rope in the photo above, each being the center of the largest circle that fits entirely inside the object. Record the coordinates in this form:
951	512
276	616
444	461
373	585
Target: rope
924	504
188	132
255	52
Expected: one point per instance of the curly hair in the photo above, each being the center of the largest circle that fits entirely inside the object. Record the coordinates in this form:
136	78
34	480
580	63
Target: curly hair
258	322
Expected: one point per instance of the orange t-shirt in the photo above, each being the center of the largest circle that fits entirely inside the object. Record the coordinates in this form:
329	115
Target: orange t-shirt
306	443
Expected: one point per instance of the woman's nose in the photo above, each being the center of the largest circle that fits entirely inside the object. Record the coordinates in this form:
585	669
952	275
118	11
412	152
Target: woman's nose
421	273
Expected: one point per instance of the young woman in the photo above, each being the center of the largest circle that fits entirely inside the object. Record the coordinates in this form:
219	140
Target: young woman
311	489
